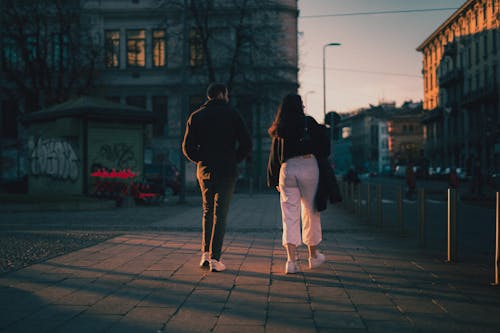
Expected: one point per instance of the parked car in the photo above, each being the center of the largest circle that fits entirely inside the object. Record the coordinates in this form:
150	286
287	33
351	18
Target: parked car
165	175
400	171
462	174
436	172
495	180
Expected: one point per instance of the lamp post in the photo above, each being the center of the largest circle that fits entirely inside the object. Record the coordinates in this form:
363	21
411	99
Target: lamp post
324	92
324	77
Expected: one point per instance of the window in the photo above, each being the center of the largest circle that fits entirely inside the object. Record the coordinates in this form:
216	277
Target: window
469	56
112	48
195	48
115	99
159	48
160	107
60	48
485	45
31	42
494	41
9	119
477	51
138	101
10	57
136	48
494	73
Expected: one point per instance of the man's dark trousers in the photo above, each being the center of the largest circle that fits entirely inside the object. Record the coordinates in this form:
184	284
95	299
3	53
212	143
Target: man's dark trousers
216	194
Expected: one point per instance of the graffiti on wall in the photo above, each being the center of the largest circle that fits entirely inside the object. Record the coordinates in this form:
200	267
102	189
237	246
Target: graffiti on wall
117	156
54	158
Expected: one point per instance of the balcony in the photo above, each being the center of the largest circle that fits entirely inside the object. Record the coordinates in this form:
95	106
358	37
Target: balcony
488	93
454	76
433	115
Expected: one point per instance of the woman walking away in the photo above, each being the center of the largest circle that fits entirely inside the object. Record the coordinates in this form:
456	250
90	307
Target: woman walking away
293	170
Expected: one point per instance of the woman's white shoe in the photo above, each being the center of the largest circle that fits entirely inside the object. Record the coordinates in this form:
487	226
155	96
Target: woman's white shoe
316	262
291	267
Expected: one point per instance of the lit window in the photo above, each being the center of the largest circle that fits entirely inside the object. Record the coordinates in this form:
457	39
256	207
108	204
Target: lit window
159	48
112	47
195	48
136	48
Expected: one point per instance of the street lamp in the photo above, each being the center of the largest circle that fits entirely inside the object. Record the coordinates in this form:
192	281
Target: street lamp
324	93
324	78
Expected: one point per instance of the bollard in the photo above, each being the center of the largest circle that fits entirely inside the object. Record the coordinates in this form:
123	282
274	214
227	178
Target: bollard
400	211
342	192
379	205
452	225
368	202
497	244
359	200
421	218
351	198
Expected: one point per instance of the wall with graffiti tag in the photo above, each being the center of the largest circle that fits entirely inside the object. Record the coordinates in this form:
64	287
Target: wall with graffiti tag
53	157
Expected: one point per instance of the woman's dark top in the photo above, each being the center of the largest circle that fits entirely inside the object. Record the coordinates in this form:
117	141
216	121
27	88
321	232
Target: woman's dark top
288	143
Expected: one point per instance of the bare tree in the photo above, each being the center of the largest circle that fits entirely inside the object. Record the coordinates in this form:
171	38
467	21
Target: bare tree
47	54
238	42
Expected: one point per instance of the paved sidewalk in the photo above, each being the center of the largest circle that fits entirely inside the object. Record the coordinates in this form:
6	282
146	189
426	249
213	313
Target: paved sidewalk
150	282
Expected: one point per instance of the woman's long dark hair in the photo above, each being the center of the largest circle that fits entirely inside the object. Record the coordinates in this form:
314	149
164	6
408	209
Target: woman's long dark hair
289	120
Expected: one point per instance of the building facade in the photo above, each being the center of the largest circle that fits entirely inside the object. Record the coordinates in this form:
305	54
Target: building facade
161	56
381	137
405	137
461	89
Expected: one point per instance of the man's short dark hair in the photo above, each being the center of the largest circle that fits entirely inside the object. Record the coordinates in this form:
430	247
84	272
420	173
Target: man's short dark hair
215	89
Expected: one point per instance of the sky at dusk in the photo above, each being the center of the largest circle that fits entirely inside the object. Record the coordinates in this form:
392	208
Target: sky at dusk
377	60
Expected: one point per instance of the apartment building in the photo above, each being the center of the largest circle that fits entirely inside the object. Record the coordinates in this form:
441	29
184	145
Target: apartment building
461	89
161	55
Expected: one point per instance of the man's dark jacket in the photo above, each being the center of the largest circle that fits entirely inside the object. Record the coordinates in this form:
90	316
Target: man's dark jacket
216	139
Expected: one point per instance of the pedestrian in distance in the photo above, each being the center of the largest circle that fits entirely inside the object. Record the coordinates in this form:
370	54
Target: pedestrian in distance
293	170
453	179
216	139
411	181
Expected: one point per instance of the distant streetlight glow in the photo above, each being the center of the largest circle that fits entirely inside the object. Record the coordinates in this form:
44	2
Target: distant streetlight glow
305	99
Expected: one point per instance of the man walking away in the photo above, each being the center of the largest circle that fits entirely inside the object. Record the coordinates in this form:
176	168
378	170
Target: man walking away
216	139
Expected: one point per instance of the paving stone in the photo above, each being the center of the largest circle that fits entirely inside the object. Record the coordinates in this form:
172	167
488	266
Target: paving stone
85	323
143	319
243	328
338	319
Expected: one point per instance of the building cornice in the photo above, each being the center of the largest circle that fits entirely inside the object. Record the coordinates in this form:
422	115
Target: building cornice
445	24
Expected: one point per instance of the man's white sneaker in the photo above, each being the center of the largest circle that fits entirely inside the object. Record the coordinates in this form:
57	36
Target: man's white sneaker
316	262
205	259
217	266
291	267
